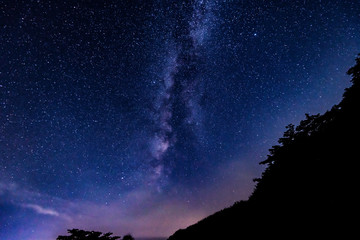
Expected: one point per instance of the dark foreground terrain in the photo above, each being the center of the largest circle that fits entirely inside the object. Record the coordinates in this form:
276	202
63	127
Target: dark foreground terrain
309	188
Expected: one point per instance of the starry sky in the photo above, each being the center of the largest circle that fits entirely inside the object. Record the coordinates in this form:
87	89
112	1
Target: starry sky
143	117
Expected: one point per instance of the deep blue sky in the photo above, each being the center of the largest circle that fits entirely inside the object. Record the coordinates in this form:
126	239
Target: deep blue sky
146	116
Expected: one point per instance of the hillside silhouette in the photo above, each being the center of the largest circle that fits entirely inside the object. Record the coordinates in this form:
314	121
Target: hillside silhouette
309	186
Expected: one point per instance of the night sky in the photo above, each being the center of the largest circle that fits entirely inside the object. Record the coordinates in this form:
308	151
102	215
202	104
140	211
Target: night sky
143	117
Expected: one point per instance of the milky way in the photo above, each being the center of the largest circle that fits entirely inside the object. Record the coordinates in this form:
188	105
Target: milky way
177	104
146	116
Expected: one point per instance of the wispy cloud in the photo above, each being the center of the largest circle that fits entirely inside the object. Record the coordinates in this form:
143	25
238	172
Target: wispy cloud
41	210
7	187
17	195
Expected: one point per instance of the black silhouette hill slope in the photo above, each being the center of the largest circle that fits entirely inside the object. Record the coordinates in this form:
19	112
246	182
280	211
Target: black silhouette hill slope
309	188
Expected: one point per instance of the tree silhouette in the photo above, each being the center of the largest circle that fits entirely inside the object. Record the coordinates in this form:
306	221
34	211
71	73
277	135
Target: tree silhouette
309	185
128	237
76	234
